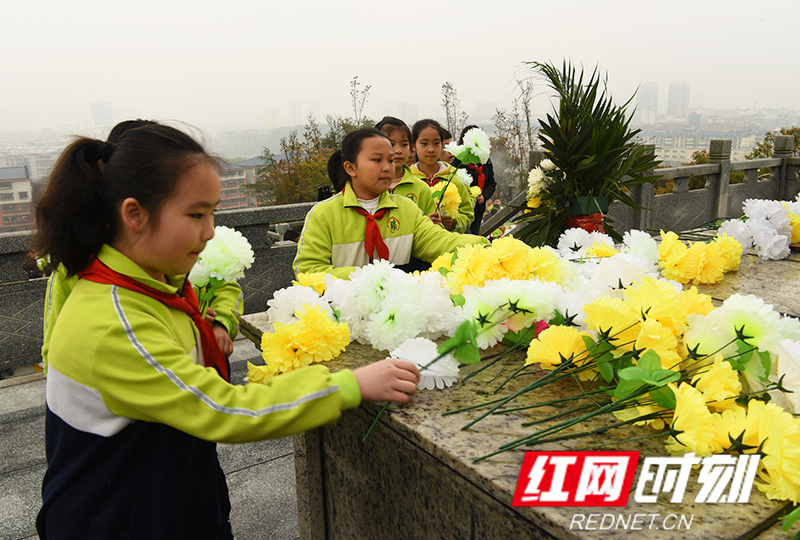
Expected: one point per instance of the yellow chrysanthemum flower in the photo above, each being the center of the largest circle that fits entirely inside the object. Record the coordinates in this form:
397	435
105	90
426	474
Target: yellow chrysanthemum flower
558	344
322	339
719	384
731	250
315	280
661	339
601	250
656	299
659	422
712	264
445	260
513	259
614	318
545	265
451	200
692	425
470	268
794	219
534	202
474	191
280	349
735	431
694	302
780	433
670	247
258	374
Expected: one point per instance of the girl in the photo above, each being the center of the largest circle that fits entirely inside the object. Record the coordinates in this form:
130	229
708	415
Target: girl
427	136
226	305
363	220
483	177
135	401
404	182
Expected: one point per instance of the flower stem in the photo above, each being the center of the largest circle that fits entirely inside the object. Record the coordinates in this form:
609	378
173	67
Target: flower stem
375	421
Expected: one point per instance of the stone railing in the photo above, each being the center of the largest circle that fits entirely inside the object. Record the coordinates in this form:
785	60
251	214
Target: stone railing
23	300
686	209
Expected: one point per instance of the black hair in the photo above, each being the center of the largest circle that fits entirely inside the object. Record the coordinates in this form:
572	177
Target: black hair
118	130
351	146
419	125
79	209
291	235
389	124
464	132
446	134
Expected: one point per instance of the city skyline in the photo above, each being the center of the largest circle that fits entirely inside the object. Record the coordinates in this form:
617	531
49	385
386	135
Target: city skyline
233	67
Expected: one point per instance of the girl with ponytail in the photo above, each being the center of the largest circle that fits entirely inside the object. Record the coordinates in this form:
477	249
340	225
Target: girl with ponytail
138	392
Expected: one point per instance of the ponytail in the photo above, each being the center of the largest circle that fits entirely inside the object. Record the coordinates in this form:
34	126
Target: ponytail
78	211
336	172
73	220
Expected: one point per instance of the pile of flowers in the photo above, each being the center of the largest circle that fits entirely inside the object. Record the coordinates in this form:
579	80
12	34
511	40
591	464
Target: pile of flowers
652	352
225	258
767	226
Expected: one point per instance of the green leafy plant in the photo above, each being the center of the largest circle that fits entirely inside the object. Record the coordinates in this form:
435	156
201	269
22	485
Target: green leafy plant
593	148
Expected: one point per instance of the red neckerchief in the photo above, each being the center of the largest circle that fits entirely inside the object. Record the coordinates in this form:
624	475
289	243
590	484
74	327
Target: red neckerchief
431	180
212	355
481	176
372	236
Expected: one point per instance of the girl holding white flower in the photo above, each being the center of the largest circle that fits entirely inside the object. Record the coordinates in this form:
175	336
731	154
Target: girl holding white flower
427	136
137	394
364	222
482	173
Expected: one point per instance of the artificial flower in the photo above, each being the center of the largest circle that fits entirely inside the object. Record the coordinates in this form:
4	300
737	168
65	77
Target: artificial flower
440	374
286	304
654	336
730	250
739	230
692	427
547	165
315	280
559	344
465	178
600	250
779	432
225	257
450	199
614	320
640	244
719	384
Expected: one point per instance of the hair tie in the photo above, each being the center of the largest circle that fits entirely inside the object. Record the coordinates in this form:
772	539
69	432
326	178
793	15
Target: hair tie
106	149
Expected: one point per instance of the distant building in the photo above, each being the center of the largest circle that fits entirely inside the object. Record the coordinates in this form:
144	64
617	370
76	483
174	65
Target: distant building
647	103
16	199
234	177
678	104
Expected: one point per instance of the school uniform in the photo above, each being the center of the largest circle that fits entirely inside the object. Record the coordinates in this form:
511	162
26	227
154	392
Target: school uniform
466	213
133	415
334	236
412	187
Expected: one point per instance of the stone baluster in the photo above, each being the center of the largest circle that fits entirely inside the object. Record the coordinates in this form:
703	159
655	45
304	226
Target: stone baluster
782	148
719	151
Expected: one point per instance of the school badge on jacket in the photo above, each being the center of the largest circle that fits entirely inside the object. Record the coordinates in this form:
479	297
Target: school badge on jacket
393	224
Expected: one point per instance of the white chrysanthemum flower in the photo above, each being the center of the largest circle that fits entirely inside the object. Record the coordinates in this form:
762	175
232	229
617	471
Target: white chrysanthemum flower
536	181
617	272
464	176
454	148
523	301
600	238
571	276
478	143
739	230
287	304
764	209
370	284
789	328
200	275
339	294
768	243
226	256
642	245
398	320
707	335
573	243
570	305
750	316
486	311
788	366
547	165
442	316
420	351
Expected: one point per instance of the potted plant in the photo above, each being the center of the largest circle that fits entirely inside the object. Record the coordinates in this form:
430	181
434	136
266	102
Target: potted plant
592	157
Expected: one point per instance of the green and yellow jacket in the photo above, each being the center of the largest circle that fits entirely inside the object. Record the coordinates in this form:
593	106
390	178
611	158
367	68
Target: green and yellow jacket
466	210
333	235
412	187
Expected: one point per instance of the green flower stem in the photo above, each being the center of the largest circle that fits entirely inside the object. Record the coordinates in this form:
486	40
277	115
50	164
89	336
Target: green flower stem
449	180
375	421
494	359
633	439
551	402
471	407
559	415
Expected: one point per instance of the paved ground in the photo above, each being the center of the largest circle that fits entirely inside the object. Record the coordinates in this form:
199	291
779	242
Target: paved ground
260	475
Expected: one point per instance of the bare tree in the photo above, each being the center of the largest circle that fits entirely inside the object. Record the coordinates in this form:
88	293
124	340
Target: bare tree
456	119
359	98
515	135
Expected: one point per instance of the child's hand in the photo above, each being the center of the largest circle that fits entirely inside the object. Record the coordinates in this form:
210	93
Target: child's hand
387	380
223	339
449	223
211	316
435	218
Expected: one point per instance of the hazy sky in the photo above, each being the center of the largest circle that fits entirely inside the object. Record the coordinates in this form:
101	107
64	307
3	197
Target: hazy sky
227	64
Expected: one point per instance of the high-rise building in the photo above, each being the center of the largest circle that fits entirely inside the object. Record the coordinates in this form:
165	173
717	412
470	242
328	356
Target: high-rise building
16	208
678	104
647	103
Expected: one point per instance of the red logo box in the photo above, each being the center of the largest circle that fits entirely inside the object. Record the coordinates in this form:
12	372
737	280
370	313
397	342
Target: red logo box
575	478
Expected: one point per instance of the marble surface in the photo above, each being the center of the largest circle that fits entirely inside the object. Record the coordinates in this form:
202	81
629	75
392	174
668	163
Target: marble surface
433	454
